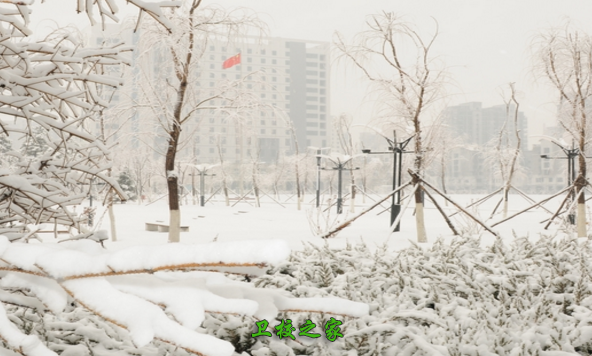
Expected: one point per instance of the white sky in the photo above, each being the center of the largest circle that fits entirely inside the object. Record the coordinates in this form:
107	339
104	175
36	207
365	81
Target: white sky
484	43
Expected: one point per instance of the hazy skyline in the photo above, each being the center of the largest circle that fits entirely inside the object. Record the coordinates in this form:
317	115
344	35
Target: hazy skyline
484	44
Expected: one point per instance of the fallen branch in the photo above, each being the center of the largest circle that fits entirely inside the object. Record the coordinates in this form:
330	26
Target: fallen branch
348	222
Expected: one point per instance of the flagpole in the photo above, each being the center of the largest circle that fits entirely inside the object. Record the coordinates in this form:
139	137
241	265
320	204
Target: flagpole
241	133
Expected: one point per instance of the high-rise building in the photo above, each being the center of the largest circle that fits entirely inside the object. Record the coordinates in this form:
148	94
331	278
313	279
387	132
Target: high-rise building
289	77
477	125
474	131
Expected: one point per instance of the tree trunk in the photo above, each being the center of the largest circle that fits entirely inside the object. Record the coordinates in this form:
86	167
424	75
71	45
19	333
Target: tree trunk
419	218
112	219
506	191
173	184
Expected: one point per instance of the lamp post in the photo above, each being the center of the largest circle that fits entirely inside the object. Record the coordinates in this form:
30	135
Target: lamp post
570	155
396	149
340	167
319	151
202	170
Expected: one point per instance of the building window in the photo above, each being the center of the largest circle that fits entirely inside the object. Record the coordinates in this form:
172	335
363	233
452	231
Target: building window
263	131
274	53
211	65
287	97
322	74
262	95
249	59
262	60
212	75
273	132
322	100
322	109
249	86
249	51
273	61
262	51
238	76
322	57
322	91
323	125
223	49
322	83
211	149
211	84
212	48
263	122
249	69
274	79
211	56
287	62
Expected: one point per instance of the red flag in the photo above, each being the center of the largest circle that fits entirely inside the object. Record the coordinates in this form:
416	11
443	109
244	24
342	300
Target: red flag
232	61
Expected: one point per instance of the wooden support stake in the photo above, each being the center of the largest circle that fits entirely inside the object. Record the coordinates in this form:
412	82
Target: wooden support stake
528	198
346	223
560	207
478	201
532	206
400	216
477	220
496	206
450	225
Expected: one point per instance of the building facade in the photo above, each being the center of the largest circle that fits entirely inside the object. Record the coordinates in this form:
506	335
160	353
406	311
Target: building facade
289	78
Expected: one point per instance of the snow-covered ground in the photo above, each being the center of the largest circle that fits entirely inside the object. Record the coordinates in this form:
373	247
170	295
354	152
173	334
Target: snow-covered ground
271	220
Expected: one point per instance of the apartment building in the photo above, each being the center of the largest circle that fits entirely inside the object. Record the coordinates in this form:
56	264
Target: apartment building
289	77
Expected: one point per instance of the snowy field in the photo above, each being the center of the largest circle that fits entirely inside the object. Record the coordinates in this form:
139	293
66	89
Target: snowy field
246	222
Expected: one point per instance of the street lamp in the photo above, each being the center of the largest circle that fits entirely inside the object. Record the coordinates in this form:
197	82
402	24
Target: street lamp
202	170
340	163
319	151
571	154
396	149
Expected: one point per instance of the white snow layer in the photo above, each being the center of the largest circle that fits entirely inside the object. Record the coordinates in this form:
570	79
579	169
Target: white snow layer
143	319
68	263
30	345
128	287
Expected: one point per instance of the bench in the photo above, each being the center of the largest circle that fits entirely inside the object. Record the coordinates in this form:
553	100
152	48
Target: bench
162	227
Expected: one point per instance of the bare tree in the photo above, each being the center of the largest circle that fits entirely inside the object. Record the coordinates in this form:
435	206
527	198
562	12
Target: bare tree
564	57
194	26
412	82
343	126
53	88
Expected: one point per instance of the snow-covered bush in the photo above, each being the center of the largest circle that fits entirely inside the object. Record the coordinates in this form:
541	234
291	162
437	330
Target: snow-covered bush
77	298
453	299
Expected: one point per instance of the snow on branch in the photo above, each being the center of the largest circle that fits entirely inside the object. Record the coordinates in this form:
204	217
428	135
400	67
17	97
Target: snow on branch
55	90
154	291
14	21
